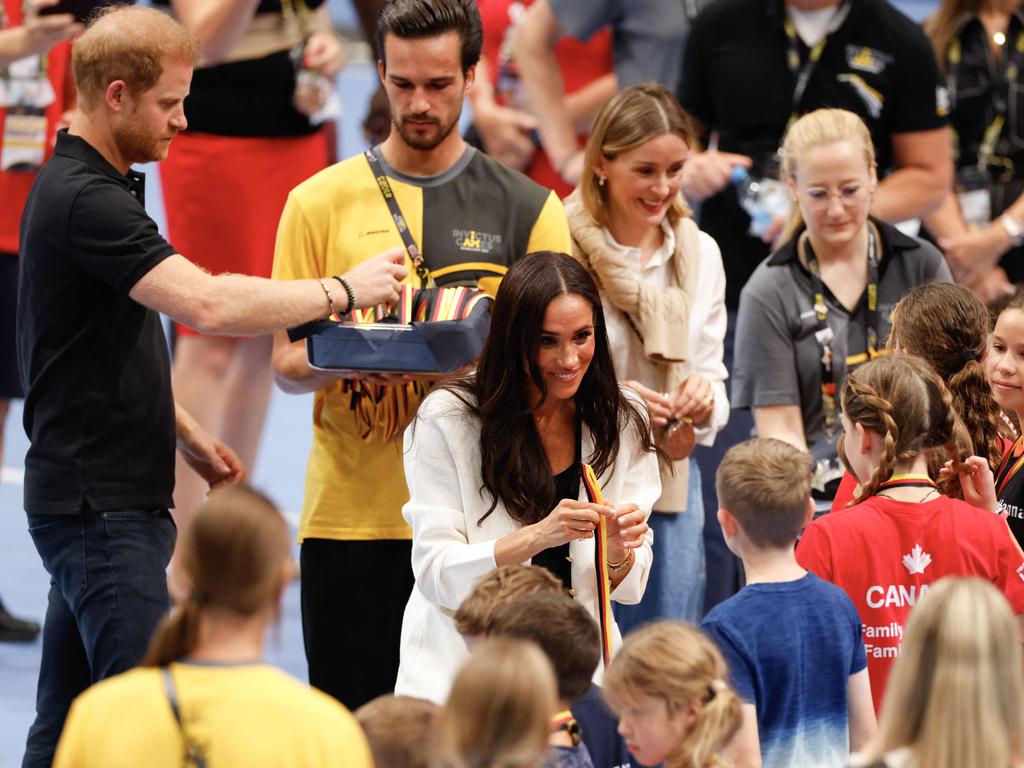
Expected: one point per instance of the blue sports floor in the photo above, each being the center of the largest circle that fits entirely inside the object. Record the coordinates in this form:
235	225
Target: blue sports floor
279	472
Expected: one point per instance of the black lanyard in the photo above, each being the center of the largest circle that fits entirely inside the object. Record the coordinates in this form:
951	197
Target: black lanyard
804	71
823	333
194	756
426	281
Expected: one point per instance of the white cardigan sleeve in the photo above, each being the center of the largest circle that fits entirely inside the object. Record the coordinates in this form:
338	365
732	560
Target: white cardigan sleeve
446	564
640	485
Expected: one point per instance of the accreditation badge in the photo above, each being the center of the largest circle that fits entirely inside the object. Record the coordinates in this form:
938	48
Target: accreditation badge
24	141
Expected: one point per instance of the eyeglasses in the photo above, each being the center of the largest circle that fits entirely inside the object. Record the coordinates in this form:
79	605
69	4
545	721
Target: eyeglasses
850	195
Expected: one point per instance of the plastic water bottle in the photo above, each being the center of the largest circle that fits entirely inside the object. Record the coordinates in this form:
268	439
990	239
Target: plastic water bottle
762	199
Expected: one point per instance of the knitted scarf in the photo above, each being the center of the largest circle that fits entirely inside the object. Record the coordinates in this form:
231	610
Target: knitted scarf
660	316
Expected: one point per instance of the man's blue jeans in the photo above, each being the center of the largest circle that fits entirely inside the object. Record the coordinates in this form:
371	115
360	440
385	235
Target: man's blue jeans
108	591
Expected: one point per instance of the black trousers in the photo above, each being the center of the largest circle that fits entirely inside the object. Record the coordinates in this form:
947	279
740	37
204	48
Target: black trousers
353	597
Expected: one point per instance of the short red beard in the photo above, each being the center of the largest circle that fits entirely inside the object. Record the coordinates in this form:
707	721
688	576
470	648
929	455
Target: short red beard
136	144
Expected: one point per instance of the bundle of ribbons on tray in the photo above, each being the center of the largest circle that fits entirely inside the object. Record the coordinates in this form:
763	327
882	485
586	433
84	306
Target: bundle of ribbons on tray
428	331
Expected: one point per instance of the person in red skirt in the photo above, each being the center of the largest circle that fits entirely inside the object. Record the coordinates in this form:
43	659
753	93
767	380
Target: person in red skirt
263	81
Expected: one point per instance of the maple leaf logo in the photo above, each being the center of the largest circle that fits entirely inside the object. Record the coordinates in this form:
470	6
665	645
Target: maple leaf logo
917	560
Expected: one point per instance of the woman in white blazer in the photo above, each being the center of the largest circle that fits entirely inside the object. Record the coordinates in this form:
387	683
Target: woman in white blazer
493	463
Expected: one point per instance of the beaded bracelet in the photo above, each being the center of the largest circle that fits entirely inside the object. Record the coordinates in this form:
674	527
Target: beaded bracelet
330	299
349	292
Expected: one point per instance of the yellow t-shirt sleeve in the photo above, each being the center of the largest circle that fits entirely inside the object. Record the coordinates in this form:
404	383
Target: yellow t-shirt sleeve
551	230
298	251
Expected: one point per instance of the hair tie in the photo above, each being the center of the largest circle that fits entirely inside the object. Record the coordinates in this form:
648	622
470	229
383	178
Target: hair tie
714	687
967	356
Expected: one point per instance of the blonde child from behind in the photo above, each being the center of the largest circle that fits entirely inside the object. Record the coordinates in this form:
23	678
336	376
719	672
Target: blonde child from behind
499	707
233	710
956	695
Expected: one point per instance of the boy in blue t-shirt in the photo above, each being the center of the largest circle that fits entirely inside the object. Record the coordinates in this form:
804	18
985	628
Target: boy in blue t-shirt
792	641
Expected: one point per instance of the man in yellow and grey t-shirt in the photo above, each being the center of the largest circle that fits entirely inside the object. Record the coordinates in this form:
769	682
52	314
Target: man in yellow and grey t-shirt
472	218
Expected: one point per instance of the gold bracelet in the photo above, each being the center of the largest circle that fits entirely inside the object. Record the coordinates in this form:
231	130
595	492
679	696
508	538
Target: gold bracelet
330	299
622	563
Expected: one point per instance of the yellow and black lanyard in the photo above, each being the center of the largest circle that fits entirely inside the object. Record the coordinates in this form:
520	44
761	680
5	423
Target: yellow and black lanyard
824	335
1000	73
415	255
804	70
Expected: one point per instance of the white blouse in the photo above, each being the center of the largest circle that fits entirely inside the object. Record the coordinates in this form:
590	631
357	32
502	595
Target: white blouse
707	323
452	549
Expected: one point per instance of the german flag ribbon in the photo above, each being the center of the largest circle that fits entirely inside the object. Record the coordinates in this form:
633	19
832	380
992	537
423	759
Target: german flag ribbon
604	586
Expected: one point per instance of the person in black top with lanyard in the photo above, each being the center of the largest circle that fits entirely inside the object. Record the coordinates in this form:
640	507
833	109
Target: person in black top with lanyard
823	300
752	66
980	226
743	62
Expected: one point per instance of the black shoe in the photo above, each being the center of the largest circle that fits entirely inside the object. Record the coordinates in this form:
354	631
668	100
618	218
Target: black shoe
14	630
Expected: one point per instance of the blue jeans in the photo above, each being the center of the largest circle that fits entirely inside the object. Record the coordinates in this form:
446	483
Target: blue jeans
724	575
108	591
675	586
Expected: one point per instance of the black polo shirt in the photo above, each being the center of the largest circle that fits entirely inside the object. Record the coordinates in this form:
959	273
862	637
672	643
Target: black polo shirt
736	81
98	406
976	81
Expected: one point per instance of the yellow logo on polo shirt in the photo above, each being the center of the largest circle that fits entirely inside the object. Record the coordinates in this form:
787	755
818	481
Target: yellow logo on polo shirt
475	241
866	59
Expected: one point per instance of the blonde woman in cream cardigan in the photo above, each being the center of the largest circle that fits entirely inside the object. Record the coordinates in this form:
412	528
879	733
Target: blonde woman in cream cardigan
663	290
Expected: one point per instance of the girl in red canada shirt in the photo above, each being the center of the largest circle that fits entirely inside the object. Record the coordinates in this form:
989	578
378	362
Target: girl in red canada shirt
902	534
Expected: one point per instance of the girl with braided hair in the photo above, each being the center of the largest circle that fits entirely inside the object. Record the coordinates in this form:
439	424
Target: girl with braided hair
948	327
902	534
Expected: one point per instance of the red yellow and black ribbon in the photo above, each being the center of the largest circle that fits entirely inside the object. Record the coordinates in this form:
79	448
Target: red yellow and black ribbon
604	586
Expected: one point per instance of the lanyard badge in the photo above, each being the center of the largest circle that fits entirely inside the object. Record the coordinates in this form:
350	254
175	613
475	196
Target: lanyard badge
824	335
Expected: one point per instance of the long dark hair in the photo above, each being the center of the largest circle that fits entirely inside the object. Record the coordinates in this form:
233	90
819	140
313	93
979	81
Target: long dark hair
948	326
515	468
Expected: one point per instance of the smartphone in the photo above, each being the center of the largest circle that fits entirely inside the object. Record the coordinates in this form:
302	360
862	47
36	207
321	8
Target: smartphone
80	9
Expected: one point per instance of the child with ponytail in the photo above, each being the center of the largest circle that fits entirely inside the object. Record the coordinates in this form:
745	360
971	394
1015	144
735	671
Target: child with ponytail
668	686
902	534
203	696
